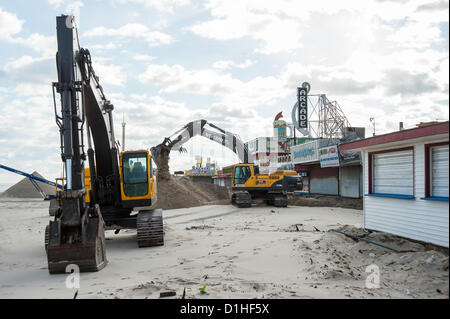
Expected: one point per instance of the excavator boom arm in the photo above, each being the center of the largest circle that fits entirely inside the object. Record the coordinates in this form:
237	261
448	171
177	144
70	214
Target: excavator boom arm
218	135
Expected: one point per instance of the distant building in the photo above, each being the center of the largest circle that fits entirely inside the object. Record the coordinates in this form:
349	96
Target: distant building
198	173
273	153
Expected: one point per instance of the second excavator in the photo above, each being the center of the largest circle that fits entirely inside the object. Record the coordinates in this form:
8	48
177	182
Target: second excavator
247	182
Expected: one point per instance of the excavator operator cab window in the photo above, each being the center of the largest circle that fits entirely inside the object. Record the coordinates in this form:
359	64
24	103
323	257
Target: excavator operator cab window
135	174
241	174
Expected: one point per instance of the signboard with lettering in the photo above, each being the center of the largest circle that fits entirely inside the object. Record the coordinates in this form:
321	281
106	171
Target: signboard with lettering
302	98
329	156
304	153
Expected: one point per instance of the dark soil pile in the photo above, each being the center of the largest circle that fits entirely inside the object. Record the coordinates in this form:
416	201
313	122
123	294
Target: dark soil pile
325	201
25	189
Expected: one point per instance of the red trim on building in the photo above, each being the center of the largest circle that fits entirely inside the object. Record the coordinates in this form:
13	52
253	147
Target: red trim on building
413	133
428	166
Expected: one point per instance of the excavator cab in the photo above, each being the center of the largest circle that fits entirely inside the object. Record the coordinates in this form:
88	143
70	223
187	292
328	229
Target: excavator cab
138	185
241	174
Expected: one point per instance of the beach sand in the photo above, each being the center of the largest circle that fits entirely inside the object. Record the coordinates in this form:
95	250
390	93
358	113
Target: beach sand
259	252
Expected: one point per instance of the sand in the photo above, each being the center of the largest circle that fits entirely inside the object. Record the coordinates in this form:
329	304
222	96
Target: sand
179	192
318	200
25	189
415	270
260	252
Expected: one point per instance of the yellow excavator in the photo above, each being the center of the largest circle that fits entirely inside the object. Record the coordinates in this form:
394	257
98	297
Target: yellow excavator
116	191
247	182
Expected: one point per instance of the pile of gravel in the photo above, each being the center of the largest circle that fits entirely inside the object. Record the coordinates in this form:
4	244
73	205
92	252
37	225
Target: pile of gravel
25	189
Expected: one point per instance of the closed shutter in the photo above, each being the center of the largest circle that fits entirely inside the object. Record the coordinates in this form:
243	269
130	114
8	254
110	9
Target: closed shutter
393	173
439	171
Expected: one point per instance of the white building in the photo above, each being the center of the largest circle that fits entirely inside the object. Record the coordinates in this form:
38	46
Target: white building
406	182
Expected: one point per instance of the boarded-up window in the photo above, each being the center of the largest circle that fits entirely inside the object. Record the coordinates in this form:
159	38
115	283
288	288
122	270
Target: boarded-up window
393	173
439	171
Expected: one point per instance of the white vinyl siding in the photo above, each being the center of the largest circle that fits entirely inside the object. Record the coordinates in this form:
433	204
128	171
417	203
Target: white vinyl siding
393	173
439	171
419	219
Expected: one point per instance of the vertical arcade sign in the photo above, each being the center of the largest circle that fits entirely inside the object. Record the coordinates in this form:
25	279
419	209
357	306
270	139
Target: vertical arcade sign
302	98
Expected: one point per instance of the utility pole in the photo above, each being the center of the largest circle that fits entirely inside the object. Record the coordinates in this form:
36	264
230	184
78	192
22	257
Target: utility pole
372	119
123	133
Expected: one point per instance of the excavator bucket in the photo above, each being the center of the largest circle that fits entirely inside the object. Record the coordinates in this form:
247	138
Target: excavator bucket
88	252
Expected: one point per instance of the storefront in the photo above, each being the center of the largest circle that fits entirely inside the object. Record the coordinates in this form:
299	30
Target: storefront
350	175
307	162
302	157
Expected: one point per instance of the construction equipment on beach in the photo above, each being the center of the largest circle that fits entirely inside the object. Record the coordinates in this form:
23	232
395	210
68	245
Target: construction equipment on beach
105	195
247	182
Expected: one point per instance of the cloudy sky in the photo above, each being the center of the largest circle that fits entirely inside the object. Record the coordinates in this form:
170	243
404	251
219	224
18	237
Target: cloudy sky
235	63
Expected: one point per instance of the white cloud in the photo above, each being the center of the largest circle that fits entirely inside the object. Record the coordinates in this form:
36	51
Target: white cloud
166	6
73	8
29	136
32	76
110	74
416	34
10	24
45	45
226	64
281	26
143	57
132	30
177	79
56	3
389	93
103	47
276	33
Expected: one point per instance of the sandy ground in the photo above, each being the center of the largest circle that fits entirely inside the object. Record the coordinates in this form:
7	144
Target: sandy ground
260	252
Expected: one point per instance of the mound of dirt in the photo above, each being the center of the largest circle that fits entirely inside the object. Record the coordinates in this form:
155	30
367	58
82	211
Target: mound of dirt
417	270
179	192
25	189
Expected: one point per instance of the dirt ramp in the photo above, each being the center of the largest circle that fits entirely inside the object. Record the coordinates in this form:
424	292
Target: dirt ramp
179	192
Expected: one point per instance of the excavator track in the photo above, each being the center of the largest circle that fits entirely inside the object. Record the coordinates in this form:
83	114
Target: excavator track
46	236
241	199
280	201
150	231
277	200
